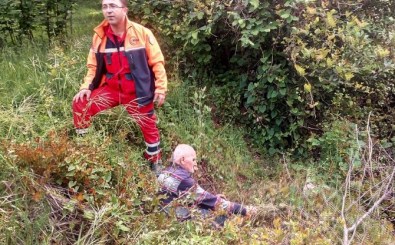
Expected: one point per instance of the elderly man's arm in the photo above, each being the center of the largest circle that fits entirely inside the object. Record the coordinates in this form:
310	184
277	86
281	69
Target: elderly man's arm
207	200
181	184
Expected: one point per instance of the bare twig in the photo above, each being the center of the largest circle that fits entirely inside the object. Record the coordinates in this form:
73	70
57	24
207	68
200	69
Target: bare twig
381	194
376	204
286	167
343	216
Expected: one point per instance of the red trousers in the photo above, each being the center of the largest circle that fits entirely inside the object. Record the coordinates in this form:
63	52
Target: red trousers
106	97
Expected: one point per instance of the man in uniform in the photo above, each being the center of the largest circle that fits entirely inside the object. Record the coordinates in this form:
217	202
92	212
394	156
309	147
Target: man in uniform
125	67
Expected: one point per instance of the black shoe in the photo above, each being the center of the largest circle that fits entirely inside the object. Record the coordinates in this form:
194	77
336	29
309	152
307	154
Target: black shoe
156	168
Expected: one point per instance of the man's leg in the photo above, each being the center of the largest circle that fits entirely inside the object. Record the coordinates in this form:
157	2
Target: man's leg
101	99
146	119
219	220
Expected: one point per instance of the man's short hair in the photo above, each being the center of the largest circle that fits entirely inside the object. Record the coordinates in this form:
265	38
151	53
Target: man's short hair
180	151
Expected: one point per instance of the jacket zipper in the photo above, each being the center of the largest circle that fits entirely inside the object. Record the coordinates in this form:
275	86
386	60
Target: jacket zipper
120	63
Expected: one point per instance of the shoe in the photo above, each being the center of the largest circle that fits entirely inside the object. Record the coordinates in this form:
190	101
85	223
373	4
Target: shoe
81	132
156	168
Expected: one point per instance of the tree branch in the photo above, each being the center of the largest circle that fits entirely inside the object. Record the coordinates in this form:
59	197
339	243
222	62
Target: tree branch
376	204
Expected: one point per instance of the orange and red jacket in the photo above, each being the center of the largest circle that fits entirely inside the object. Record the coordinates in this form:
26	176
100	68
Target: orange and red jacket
144	57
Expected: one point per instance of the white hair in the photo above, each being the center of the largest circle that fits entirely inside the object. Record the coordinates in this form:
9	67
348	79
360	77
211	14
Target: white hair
181	151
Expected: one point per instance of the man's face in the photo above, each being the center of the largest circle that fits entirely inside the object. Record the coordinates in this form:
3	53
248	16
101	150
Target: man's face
188	162
114	11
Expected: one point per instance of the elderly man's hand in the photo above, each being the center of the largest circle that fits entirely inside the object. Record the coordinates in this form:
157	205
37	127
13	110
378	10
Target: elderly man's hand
81	94
222	196
159	99
251	211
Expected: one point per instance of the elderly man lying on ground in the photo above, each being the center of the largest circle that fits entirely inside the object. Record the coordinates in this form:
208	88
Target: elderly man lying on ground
178	185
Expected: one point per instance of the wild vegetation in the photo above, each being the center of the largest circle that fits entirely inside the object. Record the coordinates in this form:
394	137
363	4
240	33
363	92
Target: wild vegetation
21	19
288	103
286	69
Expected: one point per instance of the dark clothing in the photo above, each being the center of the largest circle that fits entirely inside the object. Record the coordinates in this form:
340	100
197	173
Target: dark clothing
177	184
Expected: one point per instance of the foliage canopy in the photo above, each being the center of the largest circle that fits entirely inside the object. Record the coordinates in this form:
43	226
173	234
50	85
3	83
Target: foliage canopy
27	19
284	69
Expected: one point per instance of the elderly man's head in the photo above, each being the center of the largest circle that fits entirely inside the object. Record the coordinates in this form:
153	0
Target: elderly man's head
185	156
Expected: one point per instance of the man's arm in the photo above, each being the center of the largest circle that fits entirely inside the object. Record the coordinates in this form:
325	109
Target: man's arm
205	199
84	91
91	65
156	62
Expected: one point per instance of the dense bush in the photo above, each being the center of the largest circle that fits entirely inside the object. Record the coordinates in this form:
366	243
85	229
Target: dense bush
345	54
229	48
26	19
283	68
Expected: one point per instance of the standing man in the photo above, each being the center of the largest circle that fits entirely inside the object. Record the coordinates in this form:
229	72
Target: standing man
125	67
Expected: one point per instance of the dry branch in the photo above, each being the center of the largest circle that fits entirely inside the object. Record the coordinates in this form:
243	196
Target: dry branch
381	190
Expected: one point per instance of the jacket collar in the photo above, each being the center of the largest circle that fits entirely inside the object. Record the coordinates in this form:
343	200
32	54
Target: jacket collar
175	167
100	30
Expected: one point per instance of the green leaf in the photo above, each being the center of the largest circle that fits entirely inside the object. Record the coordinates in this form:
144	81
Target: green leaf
254	4
251	87
330	20
251	99
200	15
262	108
194	35
108	177
274	94
72	184
266	29
348	76
89	215
284	14
123	227
301	71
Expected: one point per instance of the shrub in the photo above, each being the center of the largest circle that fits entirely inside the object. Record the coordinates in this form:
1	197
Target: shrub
23	20
283	68
346	57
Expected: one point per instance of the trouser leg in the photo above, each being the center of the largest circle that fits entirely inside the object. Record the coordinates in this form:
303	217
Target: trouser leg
219	220
101	99
146	119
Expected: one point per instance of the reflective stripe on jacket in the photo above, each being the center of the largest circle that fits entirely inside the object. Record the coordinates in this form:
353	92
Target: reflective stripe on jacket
144	56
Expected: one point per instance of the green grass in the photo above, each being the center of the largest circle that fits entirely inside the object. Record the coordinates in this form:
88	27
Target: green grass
102	182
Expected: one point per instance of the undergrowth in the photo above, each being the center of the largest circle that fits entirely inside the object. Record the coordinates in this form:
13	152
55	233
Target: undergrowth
57	188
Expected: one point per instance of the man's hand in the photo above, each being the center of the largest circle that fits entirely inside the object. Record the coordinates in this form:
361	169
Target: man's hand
81	94
159	99
251	211
222	196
